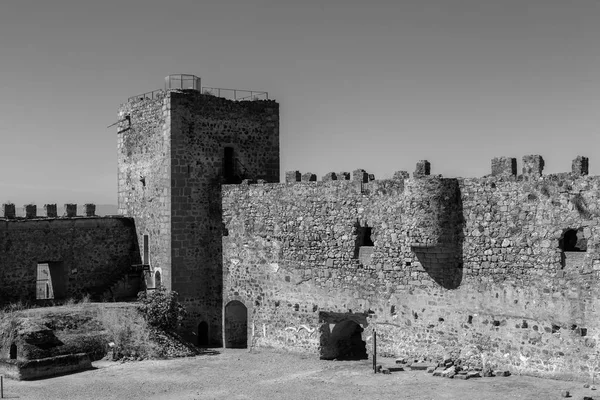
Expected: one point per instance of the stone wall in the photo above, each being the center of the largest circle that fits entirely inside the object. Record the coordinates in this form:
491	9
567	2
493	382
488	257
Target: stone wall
174	153
202	127
91	254
471	267
144	178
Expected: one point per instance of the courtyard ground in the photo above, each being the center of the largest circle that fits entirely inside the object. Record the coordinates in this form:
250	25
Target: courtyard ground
270	374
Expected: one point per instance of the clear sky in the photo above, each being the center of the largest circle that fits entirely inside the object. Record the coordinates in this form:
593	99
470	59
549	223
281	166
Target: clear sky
372	84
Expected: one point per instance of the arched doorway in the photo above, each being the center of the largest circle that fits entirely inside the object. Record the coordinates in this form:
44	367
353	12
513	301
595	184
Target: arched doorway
13	351
345	342
203	334
236	325
157	281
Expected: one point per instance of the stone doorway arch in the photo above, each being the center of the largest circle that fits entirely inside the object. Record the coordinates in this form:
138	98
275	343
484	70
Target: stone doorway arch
236	325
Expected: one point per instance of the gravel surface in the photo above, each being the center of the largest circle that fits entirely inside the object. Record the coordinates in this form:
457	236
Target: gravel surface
268	374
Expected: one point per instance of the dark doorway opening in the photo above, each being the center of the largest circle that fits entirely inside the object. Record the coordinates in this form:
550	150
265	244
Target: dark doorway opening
344	342
203	340
236	325
13	351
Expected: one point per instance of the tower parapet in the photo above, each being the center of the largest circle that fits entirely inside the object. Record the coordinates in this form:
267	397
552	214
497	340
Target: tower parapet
504	166
533	165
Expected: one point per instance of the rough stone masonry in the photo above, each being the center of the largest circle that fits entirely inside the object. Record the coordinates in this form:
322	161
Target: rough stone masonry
500	270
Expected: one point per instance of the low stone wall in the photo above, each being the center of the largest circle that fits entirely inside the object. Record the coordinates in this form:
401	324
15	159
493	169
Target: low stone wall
44	367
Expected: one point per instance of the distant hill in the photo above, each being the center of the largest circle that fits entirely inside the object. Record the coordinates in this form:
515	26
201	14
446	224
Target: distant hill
101	210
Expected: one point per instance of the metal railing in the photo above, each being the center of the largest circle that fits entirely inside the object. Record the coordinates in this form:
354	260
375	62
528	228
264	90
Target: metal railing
235	94
231	94
155	94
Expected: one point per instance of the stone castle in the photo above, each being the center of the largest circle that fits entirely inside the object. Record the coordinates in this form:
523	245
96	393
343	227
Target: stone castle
503	267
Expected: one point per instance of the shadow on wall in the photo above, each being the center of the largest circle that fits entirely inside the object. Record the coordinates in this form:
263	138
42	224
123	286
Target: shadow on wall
443	261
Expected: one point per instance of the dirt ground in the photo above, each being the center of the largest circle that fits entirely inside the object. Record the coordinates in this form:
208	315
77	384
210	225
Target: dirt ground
269	374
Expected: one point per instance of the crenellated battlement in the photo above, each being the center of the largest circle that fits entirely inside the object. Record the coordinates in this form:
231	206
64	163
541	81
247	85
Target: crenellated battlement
505	167
30	211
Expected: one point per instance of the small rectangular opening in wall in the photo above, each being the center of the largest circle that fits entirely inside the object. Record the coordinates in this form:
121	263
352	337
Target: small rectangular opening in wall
50	281
146	260
228	163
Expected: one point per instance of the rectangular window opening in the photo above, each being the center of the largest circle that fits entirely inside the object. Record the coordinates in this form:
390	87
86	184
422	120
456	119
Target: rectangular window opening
228	163
50	281
146	260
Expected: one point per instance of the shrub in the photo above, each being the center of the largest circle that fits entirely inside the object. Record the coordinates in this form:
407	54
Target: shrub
129	332
161	308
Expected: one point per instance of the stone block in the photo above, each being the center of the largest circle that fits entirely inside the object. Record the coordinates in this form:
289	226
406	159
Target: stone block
423	168
533	165
309	177
293	176
580	166
504	166
473	374
401	175
420	366
360	175
30	210
9	210
70	210
90	210
331	176
50	210
343	176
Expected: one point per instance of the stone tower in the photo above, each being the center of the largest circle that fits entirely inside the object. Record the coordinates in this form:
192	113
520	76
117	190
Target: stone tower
176	147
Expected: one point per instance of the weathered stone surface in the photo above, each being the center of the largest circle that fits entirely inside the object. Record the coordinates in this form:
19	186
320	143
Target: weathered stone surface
8	210
309	177
90	210
533	165
580	166
423	169
401	175
92	254
504	166
51	211
293	176
30	210
70	210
